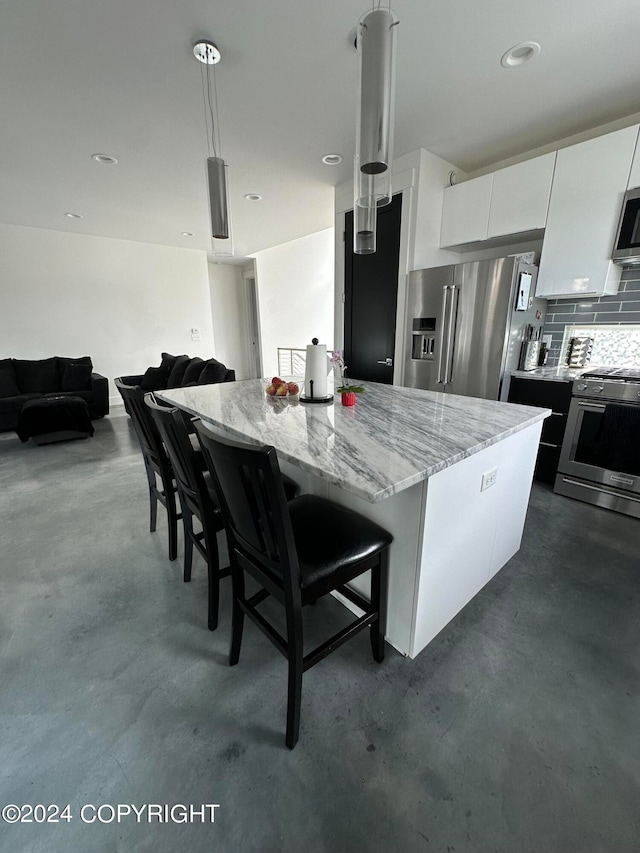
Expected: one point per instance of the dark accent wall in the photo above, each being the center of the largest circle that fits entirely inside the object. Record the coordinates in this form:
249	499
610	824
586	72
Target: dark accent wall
622	308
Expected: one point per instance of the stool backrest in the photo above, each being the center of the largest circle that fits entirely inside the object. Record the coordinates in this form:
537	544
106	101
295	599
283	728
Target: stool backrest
186	468
254	507
146	430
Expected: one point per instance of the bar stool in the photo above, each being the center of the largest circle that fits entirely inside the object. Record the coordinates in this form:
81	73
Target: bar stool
156	462
297	552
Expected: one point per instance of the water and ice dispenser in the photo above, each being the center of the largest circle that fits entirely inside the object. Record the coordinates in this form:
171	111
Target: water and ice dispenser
424	338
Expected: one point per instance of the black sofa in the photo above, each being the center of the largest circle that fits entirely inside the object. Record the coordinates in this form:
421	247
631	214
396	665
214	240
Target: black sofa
179	371
22	380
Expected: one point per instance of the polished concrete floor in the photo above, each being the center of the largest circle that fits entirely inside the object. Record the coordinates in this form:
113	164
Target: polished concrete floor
517	729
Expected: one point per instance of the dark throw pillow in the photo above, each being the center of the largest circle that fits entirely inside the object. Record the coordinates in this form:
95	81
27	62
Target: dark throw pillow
76	377
193	371
37	377
8	387
155	379
212	373
177	371
168	361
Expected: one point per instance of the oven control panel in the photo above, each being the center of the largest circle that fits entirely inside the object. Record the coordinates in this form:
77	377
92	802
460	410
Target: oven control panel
608	389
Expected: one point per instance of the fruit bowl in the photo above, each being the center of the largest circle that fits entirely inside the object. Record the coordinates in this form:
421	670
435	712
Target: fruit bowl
279	389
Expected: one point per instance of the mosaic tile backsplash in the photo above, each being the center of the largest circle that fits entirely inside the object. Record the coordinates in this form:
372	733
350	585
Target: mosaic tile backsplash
589	314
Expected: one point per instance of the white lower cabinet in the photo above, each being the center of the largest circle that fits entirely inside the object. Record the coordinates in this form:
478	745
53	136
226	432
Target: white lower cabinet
589	183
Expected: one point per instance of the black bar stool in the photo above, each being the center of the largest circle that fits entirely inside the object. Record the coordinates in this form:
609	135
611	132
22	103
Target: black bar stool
156	462
297	552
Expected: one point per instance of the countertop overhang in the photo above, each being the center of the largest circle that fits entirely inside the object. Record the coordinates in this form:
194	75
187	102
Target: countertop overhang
393	438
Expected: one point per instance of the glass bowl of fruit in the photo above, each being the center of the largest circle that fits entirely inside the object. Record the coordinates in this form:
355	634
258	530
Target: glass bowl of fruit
280	389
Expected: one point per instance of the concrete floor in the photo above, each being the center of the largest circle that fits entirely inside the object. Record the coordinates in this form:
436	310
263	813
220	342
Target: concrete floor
515	730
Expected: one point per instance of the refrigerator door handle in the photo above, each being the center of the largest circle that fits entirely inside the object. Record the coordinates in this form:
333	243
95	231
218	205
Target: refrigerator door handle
453	316
442	325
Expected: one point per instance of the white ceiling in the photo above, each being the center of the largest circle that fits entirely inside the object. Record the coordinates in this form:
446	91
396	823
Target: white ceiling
81	76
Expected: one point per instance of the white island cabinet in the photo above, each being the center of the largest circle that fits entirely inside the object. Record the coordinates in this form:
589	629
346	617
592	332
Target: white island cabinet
420	463
586	198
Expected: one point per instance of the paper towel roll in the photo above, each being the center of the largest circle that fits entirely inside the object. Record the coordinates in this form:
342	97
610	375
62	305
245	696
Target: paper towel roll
316	371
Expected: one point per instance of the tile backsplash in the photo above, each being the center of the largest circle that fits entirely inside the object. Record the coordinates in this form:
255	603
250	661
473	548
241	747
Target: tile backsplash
616	310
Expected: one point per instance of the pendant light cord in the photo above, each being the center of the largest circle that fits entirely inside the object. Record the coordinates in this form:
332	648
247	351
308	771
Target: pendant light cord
208	97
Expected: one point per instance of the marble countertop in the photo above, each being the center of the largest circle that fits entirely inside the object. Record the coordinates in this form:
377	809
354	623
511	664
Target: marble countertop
391	439
552	374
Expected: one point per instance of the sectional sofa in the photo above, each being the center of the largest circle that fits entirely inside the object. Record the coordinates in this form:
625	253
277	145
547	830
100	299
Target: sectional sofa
23	379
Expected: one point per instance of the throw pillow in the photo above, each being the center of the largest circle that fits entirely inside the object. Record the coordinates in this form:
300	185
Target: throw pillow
168	361
155	379
177	371
37	377
76	377
212	373
8	387
193	371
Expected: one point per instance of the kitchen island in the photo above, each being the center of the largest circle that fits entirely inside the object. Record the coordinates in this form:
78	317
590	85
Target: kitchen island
448	476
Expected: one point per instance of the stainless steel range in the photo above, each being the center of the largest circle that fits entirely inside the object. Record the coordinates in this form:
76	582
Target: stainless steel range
600	457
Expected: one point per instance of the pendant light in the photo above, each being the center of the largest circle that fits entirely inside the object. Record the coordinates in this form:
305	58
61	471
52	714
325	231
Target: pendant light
207	53
375	42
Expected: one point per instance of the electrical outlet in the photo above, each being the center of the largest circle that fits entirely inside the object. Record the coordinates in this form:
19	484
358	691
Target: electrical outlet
489	479
195	334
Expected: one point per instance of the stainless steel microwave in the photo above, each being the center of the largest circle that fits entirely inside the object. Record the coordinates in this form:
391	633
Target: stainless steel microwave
626	250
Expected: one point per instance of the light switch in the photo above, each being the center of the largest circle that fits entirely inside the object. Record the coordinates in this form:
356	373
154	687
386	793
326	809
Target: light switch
195	334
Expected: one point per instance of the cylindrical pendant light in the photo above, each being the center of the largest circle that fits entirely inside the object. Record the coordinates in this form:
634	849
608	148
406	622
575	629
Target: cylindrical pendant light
374	124
376	101
207	53
217	183
365	221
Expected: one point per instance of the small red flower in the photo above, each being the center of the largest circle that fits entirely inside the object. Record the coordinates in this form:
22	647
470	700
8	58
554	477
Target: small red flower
349	399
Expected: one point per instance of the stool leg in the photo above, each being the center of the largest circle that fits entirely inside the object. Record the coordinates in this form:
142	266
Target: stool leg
213	569
187	524
172	520
237	614
294	694
379	584
153	499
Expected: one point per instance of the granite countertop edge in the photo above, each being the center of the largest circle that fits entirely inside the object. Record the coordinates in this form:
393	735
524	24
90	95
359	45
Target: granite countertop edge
395	488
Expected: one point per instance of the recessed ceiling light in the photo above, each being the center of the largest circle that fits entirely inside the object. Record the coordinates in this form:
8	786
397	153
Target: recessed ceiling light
187	233
73	215
332	159
520	53
105	159
253	197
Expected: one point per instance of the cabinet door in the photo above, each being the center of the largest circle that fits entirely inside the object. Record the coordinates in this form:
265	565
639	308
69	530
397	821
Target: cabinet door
520	196
588	186
634	177
465	211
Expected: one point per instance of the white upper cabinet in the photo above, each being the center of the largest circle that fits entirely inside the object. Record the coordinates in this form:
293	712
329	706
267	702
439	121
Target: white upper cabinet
520	196
634	177
589	183
465	211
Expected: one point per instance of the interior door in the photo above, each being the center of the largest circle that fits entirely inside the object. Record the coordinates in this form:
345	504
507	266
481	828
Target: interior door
371	292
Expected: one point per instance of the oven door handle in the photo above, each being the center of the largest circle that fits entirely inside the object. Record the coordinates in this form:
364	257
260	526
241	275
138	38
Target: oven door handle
593	405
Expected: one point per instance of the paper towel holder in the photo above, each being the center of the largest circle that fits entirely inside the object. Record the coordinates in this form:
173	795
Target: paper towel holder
303	397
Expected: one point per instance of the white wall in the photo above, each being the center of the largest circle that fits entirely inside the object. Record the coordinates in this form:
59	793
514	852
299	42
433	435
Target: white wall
295	295
230	321
118	301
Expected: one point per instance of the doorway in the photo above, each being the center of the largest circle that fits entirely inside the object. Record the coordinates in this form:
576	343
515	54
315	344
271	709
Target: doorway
371	293
253	326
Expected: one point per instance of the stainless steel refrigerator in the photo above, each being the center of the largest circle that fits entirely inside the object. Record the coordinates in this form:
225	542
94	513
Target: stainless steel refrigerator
469	325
